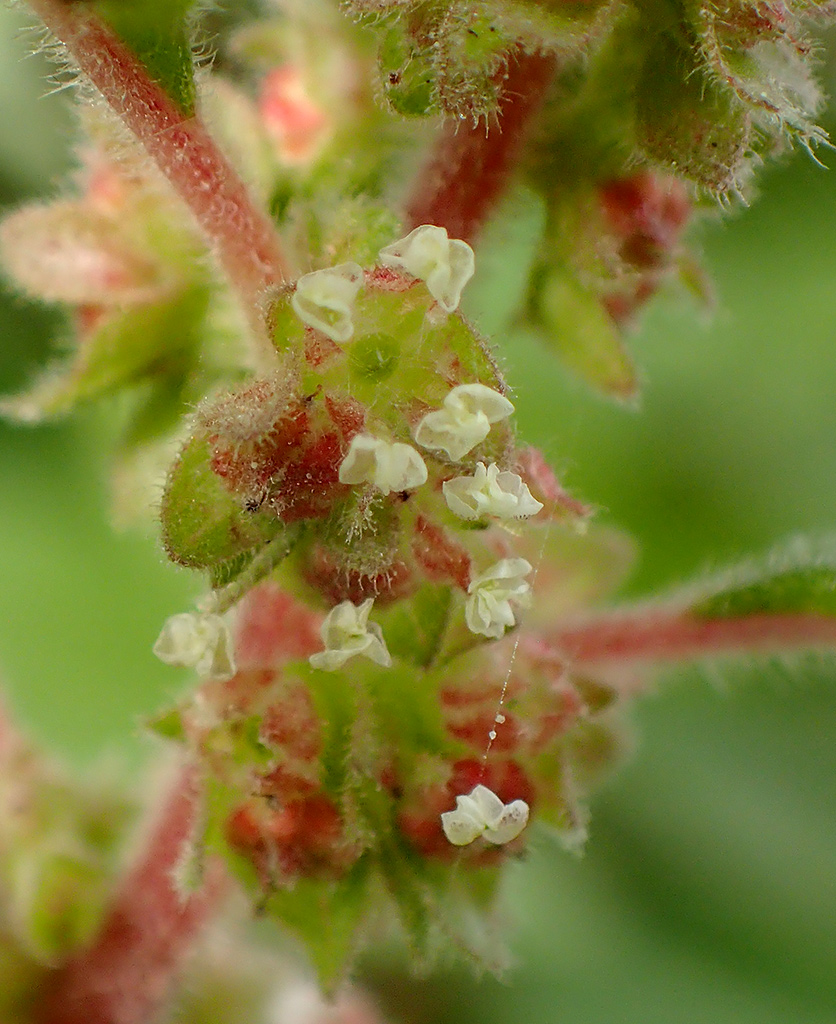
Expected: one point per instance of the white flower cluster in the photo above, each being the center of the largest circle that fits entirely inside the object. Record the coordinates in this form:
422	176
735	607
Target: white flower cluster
445	265
490	492
200	641
346	632
388	466
487	610
324	299
482	813
463	421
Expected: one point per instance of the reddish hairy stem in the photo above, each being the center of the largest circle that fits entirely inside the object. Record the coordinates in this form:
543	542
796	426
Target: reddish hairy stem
127	975
470	169
243	237
654	635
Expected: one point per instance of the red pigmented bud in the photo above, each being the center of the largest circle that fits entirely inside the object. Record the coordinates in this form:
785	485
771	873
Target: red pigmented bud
297	124
304	838
505	777
647	213
439	556
67	252
278	450
292	725
337	581
273	627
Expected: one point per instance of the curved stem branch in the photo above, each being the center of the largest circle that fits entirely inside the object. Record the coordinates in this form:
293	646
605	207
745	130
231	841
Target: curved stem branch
470	169
658	635
127	975
243	237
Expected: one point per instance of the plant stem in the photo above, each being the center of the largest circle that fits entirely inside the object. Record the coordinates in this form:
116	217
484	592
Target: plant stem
470	169
126	976
654	635
243	237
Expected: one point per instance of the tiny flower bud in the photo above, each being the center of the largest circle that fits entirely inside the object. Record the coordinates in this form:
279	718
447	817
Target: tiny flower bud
488	608
298	124
389	466
490	493
347	632
444	264
324	299
464	420
198	641
482	813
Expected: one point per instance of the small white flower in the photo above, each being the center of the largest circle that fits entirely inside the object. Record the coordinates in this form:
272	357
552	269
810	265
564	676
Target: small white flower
324	299
490	493
488	608
463	421
197	640
390	466
346	632
482	813
445	265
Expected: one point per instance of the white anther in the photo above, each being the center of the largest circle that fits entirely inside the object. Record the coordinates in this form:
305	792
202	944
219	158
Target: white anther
482	813
324	299
490	493
390	466
488	607
463	421
445	265
198	641
347	632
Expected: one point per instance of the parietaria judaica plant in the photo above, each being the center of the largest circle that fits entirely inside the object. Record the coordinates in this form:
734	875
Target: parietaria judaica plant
403	663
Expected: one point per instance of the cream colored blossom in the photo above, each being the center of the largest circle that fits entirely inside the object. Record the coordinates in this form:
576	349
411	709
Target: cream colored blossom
324	299
390	466
490	492
488	607
197	640
445	265
463	421
482	813
347	632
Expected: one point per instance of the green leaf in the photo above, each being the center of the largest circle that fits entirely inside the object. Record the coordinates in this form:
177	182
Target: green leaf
414	629
152	340
157	33
689	123
794	582
203	524
572	321
327	917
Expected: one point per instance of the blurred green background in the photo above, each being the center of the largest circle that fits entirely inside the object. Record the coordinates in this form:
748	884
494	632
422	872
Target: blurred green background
707	894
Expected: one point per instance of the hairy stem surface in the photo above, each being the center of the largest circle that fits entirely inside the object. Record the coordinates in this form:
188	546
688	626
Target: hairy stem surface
472	165
242	237
653	635
127	975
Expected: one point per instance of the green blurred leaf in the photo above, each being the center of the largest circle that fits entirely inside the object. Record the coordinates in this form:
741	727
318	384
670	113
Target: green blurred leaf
572	321
149	340
414	629
779	586
157	32
327	917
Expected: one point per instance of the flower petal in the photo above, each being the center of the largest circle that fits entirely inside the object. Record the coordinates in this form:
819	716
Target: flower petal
445	265
324	299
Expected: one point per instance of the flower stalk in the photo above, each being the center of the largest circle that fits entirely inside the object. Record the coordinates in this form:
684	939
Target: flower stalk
240	234
656	635
471	166
127	975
